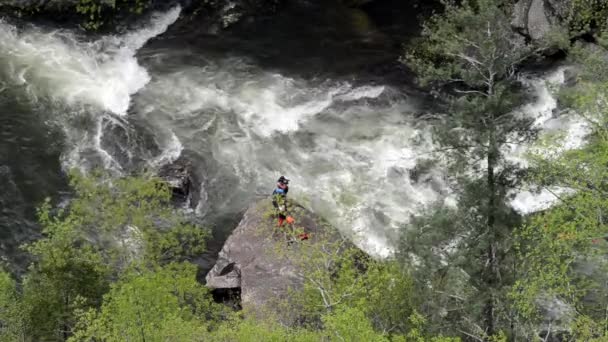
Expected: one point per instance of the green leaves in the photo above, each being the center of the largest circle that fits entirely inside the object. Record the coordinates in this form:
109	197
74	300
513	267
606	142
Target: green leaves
585	15
113	229
12	315
95	12
561	252
471	43
161	304
469	54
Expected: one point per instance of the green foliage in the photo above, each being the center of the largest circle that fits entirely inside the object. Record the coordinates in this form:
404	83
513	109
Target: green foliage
110	226
95	13
341	282
11	313
163	304
343	324
561	252
108	269
586	15
339	323
91	10
67	274
245	330
133	213
470	54
341	285
470	43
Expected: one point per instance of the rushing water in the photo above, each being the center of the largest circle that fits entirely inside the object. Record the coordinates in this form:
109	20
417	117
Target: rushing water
348	141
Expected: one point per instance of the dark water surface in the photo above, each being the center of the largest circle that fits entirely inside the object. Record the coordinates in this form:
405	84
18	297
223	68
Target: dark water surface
314	91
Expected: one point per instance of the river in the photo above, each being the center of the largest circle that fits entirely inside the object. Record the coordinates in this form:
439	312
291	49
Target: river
314	93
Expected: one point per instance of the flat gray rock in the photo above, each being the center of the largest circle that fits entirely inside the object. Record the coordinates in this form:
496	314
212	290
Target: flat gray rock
538	22
251	258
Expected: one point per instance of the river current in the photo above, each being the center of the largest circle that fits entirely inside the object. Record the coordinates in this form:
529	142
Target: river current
349	141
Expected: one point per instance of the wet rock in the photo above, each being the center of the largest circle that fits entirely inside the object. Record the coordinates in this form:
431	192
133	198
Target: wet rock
536	19
249	260
221	15
181	177
571	76
520	16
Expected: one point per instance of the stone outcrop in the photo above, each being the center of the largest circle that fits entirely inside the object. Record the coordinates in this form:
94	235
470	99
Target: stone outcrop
536	19
251	259
181	177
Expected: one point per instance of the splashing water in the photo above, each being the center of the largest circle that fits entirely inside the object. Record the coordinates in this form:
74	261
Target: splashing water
348	149
352	150
61	67
573	129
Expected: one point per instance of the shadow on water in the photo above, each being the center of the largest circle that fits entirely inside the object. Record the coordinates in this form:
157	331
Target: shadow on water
30	171
309	39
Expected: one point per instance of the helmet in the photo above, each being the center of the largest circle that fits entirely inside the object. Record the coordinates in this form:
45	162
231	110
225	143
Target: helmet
283	180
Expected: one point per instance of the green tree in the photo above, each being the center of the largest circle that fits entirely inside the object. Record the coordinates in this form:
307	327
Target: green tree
470	54
11	313
162	304
585	16
342	284
561	252
110	226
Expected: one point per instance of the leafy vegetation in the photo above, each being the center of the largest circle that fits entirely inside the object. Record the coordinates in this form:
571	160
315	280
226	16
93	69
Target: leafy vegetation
114	264
470	55
562	251
95	12
484	271
110	228
587	15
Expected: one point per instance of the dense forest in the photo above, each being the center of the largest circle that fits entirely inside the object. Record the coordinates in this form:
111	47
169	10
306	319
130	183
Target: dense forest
119	260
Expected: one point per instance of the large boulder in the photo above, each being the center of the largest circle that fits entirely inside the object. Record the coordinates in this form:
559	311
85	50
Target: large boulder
536	19
539	24
251	260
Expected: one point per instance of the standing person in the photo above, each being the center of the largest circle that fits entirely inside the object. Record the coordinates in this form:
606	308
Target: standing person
279	199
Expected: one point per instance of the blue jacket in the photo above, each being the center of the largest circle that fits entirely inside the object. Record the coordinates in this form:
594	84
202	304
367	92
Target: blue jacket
279	197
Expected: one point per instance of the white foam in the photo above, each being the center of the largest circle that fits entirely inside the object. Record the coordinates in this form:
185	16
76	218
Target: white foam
349	159
64	68
528	202
171	150
354	170
266	104
543	110
571	129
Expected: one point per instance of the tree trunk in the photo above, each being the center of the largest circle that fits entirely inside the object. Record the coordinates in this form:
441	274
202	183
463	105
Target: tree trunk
491	271
64	326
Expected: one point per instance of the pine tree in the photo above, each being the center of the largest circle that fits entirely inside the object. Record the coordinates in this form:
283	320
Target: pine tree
470	55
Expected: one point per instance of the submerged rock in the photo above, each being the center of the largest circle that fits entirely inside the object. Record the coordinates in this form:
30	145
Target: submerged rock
181	177
249	260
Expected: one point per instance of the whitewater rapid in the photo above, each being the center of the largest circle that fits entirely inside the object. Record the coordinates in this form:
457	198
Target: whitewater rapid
60	66
352	150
